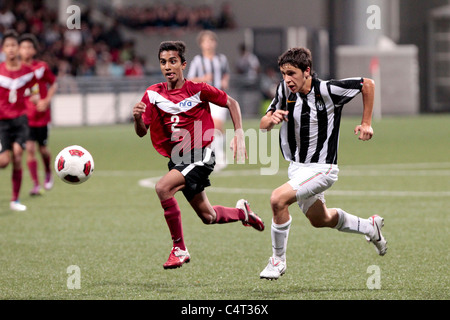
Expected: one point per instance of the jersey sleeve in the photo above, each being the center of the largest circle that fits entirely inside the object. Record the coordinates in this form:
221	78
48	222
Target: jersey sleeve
213	95
343	91
49	76
279	101
146	116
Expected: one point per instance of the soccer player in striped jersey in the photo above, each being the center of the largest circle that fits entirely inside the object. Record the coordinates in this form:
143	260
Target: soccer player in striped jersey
15	79
38	110
309	111
178	115
213	68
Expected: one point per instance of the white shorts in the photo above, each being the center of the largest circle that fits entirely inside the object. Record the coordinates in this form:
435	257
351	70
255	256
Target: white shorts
218	113
310	180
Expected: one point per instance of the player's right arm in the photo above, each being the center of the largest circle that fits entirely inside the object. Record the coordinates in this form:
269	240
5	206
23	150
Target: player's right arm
276	113
272	118
139	125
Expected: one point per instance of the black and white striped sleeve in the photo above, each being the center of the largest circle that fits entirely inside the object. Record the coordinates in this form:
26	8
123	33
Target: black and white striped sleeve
343	91
279	101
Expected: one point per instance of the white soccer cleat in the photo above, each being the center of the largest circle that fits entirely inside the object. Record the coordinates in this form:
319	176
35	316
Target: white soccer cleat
17	206
48	184
378	240
275	269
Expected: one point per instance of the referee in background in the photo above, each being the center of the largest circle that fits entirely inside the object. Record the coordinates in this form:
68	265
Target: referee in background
309	111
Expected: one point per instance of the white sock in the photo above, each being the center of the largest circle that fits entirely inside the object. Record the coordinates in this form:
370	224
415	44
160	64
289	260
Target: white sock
353	224
280	233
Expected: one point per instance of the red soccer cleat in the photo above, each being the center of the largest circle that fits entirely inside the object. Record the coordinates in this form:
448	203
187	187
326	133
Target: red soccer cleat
177	258
251	218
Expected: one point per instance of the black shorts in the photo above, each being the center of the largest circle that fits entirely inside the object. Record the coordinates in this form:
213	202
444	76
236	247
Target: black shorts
39	134
196	168
13	130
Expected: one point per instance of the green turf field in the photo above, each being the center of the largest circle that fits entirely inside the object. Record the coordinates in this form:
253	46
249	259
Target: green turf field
113	229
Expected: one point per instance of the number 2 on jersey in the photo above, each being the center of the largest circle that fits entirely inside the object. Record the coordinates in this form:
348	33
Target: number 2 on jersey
175	120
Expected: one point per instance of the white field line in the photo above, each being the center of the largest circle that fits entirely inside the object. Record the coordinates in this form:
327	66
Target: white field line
381	170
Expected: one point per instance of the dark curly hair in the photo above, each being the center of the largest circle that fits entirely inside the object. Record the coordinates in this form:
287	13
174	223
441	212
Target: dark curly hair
298	57
177	46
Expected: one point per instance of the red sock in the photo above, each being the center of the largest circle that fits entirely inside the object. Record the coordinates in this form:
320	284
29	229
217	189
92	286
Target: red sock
16	184
32	166
47	162
172	214
226	215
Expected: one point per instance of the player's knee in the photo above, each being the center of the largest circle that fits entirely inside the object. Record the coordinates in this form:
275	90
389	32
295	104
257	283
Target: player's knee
4	160
277	202
207	218
162	190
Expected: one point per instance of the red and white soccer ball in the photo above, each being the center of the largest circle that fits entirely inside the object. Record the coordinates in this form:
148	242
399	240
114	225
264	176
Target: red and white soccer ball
74	165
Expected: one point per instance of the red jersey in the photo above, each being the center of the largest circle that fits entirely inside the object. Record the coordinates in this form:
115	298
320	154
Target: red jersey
45	78
181	117
12	88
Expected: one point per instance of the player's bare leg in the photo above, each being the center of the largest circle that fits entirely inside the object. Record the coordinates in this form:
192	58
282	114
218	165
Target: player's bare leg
5	159
320	216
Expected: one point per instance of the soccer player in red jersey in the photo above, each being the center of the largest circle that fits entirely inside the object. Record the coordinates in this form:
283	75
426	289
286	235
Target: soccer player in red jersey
178	115
15	78
38	111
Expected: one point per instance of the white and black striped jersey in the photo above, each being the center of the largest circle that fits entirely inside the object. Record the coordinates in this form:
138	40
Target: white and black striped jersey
217	66
311	134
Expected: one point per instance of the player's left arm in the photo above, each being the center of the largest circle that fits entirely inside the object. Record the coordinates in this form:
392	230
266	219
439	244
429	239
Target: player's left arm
238	142
365	128
44	103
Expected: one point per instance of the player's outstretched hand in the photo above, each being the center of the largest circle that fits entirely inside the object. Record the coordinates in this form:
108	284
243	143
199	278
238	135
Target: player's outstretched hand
238	146
365	132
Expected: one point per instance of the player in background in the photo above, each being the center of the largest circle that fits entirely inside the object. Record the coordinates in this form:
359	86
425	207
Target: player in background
38	111
178	115
213	68
15	79
309	111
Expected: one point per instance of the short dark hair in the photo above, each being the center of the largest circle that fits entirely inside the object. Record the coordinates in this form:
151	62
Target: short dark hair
29	37
177	46
10	34
298	57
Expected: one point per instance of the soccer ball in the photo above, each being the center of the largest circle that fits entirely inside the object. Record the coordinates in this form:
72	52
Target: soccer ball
74	165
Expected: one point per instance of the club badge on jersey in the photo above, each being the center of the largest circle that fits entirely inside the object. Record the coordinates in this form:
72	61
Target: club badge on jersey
12	96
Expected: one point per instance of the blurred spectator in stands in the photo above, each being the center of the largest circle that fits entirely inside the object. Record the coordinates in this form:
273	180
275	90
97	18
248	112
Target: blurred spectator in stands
52	34
269	82
226	17
247	65
113	36
206	19
66	81
7	17
76	47
134	67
